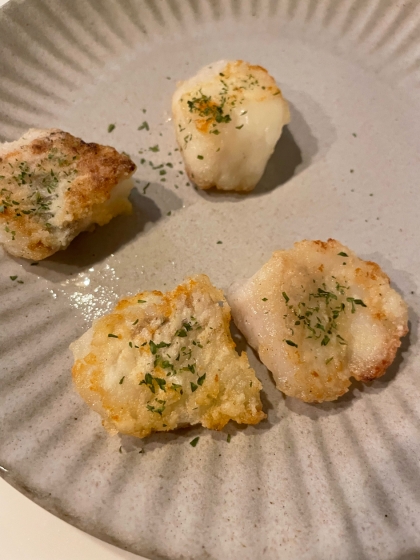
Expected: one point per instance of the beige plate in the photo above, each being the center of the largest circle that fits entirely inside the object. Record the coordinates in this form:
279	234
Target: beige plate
339	480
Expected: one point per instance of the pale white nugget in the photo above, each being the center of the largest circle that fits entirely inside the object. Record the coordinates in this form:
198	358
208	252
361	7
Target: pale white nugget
228	119
54	186
318	315
160	361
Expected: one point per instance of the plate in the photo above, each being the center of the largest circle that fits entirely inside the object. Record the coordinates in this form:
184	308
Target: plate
335	480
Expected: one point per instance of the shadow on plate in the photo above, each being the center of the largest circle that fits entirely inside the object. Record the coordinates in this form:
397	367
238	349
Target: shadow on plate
413	554
290	157
181	435
89	248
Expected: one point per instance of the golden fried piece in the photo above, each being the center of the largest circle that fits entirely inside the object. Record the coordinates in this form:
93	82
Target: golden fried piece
54	186
162	361
318	315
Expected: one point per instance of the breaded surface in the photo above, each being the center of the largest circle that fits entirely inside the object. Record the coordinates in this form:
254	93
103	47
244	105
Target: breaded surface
53	186
318	316
159	361
227	120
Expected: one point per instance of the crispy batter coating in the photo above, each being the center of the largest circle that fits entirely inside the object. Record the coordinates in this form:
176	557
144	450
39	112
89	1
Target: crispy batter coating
227	120
160	361
53	186
318	316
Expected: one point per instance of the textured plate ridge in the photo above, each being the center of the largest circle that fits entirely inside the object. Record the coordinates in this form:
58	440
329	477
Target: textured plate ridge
337	480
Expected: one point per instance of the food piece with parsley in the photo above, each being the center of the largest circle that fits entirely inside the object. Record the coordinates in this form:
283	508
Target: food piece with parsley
54	186
177	361
318	316
228	119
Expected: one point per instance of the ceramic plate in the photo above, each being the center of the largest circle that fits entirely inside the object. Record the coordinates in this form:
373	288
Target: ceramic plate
337	480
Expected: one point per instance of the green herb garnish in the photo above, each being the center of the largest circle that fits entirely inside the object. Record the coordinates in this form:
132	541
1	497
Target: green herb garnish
161	382
355	302
205	107
148	380
194	442
325	340
176	386
154	347
201	379
156	409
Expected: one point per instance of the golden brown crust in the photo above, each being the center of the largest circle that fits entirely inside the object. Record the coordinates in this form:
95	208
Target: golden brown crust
340	319
99	167
228	388
388	357
53	183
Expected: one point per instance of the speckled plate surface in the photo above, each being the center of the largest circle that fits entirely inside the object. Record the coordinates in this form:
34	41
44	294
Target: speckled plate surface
338	480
